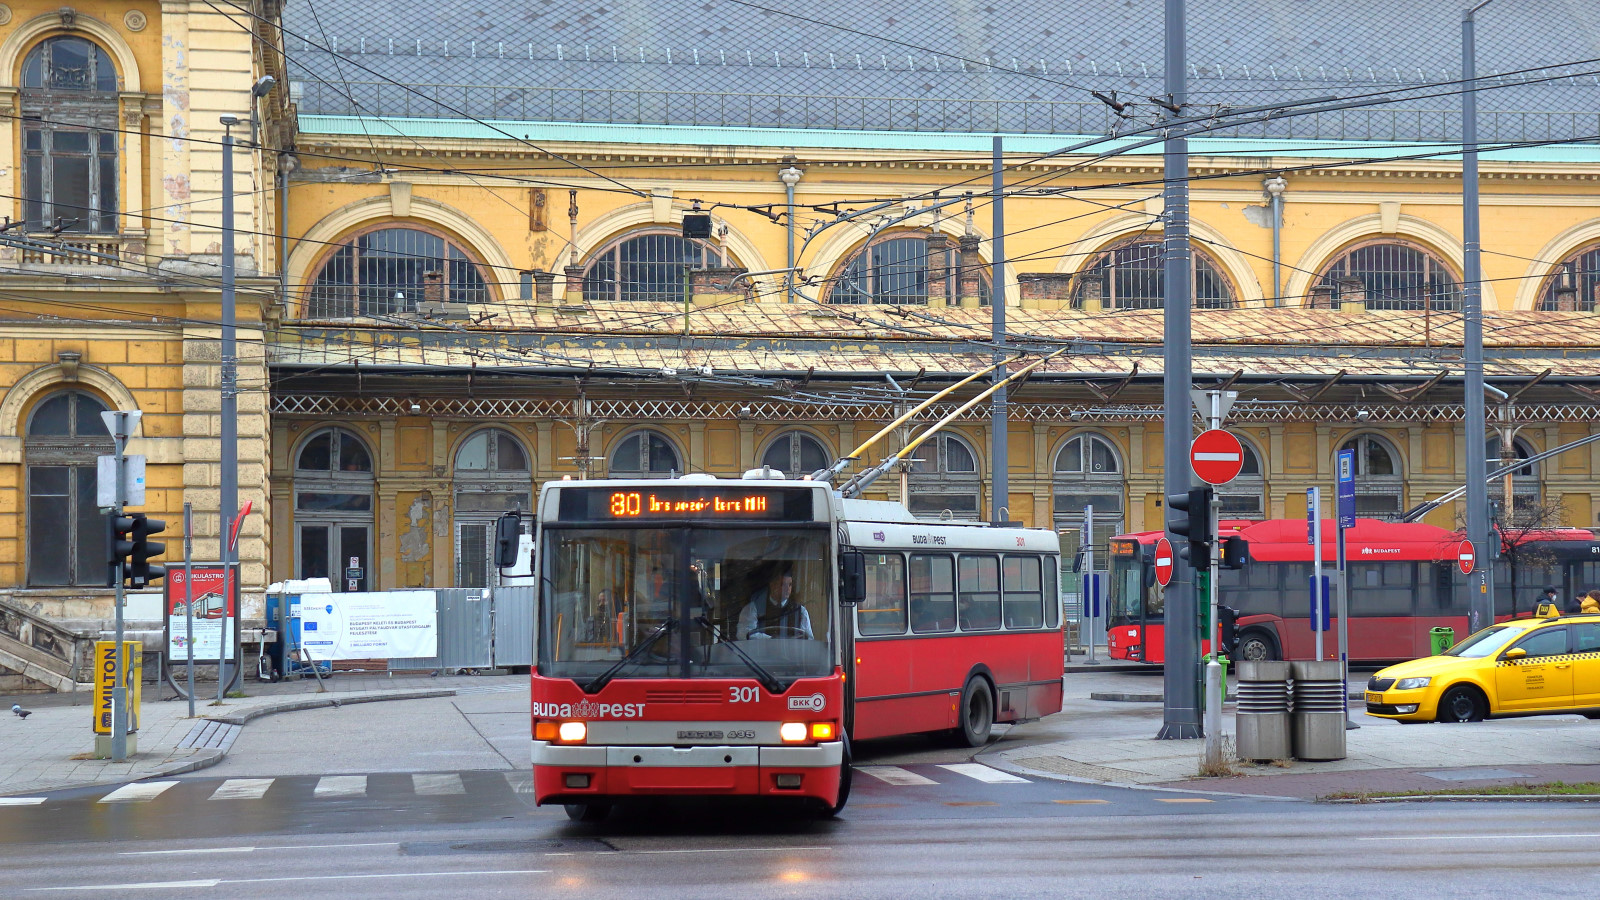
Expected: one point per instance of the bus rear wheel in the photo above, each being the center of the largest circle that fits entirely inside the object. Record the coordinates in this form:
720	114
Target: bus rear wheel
1256	645
588	812
977	712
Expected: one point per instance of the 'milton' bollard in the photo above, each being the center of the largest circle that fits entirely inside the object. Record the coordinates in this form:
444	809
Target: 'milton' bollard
1262	717
1319	710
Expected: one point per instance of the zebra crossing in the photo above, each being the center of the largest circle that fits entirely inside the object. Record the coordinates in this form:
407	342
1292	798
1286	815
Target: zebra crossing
902	777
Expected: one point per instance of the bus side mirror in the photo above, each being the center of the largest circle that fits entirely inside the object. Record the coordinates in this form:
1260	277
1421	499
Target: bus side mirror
507	529
852	577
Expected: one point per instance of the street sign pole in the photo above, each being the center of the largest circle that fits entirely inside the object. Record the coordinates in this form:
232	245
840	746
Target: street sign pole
1319	597
121	424
1347	519
1214	692
188	595
1091	598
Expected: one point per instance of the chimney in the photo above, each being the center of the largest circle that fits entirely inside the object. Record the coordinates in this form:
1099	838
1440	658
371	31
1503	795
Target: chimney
971	277
1566	293
939	292
433	286
1352	295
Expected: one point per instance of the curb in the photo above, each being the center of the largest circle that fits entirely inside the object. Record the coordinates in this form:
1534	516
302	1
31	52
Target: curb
1006	765
1470	798
206	758
1120	697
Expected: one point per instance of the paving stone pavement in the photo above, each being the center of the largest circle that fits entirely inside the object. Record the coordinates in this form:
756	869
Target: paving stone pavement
51	748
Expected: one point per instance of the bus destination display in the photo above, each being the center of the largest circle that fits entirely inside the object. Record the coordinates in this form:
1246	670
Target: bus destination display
680	502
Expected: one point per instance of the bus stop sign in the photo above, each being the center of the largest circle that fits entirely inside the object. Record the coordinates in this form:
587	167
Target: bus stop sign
1216	456
1163	562
1465	556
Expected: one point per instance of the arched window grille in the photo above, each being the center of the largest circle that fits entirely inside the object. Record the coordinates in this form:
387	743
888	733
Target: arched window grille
69	137
1129	275
333	487
492	477
945	478
646	266
1245	496
1525	488
1579	273
896	271
796	453
645	454
1380	481
1393	275
66	534
387	271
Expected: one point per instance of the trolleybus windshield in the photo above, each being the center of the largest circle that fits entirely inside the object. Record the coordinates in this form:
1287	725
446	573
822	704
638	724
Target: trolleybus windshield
763	590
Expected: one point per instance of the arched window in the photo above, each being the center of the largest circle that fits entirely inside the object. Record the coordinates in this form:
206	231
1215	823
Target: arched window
69	137
1380	482
645	454
1579	273
646	266
1525	493
1393	274
796	453
1129	275
492	477
1245	496
333	486
66	534
1087	472
945	479
905	269
390	270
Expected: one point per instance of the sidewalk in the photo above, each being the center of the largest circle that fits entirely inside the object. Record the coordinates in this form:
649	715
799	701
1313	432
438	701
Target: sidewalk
1114	743
51	748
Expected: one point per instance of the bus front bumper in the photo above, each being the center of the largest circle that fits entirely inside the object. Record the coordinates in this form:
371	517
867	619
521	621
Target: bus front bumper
580	773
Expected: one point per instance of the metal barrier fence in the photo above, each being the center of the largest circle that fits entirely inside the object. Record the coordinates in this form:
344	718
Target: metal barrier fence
465	632
513	626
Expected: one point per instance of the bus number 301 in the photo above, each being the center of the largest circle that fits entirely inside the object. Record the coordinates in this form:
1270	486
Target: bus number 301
743	694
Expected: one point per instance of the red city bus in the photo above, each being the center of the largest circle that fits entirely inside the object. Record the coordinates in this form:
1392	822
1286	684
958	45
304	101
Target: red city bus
1404	581
688	641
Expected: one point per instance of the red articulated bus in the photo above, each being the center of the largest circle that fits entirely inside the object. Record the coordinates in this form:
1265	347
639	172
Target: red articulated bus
1404	581
705	636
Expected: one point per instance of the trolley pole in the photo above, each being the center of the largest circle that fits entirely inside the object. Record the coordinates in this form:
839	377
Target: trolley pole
229	476
999	419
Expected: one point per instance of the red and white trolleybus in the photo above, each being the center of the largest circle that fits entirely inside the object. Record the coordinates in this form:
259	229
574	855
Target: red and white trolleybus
705	636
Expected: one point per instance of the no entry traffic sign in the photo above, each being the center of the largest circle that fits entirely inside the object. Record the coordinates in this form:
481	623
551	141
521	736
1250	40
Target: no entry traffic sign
1216	456
1465	557
1163	562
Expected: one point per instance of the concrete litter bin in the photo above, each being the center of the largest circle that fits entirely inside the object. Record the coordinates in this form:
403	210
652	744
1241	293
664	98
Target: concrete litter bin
1261	720
1319	711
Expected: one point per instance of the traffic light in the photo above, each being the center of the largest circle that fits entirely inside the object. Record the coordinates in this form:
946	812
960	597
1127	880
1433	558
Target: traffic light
120	543
1235	552
507	531
140	571
1229	617
1189	517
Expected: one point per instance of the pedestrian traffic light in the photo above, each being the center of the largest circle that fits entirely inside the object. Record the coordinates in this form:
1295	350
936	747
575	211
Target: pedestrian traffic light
140	571
1235	552
1189	517
507	532
120	544
1229	617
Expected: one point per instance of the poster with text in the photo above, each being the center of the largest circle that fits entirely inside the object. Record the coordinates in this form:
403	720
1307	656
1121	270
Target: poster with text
207	600
382	625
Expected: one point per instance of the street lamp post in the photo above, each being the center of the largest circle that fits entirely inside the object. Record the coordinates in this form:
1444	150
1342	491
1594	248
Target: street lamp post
1482	599
229	476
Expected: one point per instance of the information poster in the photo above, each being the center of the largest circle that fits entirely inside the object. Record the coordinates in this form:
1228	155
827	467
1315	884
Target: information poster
209	637
381	625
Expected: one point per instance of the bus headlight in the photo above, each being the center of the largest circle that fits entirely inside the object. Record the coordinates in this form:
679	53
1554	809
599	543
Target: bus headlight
792	732
573	732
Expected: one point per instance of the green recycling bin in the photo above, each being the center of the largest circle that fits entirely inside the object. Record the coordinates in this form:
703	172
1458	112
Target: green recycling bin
1442	639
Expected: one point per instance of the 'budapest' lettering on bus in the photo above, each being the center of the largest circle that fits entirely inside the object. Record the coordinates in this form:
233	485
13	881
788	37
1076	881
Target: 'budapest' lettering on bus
586	709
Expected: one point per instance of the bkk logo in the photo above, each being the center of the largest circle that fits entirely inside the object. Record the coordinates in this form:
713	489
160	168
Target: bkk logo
814	703
586	709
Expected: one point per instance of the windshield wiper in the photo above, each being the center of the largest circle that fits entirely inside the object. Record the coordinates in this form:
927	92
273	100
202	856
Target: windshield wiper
605	677
767	679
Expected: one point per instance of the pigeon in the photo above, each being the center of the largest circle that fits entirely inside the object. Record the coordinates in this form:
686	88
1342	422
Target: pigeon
16	708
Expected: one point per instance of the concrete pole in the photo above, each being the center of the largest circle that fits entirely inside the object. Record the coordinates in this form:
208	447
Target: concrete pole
1482	584
999	452
1181	676
119	689
229	477
790	176
188	596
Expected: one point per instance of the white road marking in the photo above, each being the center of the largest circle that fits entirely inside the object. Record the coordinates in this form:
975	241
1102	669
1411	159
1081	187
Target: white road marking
341	786
138	793
195	850
213	882
437	785
984	773
147	885
258	849
894	775
21	801
521	782
1474	837
726	850
242	789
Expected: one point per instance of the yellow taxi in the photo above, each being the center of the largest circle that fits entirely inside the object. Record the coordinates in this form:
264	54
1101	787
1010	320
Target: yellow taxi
1522	667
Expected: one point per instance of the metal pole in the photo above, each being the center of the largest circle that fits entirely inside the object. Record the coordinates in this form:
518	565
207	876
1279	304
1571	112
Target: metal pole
1318	596
119	690
1180	709
1344	631
229	476
999	422
1214	698
790	176
188	595
1088	585
1482	599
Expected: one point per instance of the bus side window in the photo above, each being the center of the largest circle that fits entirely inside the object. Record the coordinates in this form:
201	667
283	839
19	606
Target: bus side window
979	606
1052	598
884	609
1023	592
933	593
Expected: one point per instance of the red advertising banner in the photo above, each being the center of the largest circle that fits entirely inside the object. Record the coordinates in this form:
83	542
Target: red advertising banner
207	599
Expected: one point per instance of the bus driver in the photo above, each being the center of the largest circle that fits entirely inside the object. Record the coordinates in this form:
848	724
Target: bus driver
769	616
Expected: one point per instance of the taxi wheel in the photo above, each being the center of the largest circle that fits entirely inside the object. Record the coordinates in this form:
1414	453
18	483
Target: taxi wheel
1462	704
